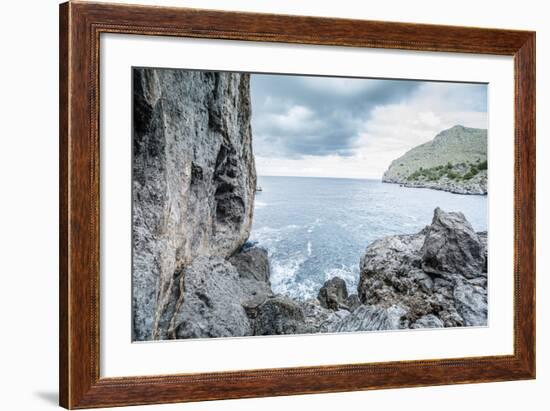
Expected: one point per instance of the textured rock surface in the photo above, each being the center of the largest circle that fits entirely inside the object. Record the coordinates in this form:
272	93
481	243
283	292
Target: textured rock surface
452	246
319	319
455	160
211	304
334	294
439	273
278	315
371	318
252	263
193	181
428	321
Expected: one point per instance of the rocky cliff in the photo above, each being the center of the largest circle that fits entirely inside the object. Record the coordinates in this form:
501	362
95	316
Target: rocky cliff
455	160
193	186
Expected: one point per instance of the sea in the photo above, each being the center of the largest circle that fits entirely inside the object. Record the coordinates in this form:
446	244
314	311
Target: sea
318	228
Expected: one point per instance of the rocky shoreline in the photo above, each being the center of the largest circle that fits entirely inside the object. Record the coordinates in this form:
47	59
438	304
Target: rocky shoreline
194	275
431	279
476	186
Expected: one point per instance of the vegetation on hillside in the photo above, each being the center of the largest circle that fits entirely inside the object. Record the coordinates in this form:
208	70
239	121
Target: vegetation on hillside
458	172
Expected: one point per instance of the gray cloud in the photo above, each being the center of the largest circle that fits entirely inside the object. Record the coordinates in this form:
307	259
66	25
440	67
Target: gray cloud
295	116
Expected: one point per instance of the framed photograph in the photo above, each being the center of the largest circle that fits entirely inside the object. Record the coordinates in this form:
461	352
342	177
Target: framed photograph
259	205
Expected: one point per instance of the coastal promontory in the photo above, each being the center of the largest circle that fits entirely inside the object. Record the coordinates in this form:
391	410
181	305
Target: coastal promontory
455	161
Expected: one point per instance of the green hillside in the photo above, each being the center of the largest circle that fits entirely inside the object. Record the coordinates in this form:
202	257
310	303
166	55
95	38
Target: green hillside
455	160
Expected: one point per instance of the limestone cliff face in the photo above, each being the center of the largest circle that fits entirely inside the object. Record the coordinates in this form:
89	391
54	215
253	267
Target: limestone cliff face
193	182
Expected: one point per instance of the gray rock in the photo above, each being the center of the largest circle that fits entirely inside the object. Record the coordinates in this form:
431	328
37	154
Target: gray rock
452	246
353	302
252	263
482	235
390	266
319	319
277	315
471	302
211	304
193	181
438	273
371	318
428	321
334	294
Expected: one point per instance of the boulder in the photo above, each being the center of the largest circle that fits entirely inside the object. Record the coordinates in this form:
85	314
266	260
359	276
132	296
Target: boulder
438	277
334	294
452	246
277	315
389	267
252	263
210	302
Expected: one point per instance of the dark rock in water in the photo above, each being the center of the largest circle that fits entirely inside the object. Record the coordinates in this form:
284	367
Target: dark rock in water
371	318
252	263
193	182
441	272
333	294
452	246
211	303
277	315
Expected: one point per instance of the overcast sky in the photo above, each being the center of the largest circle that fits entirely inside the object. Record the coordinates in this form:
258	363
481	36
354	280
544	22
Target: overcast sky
336	127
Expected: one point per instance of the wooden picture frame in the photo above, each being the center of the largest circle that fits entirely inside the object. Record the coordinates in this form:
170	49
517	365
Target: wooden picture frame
80	27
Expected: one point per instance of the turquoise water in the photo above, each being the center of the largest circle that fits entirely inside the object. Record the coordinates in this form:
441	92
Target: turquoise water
318	228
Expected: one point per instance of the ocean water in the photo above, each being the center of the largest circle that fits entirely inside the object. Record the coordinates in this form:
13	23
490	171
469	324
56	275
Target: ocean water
318	228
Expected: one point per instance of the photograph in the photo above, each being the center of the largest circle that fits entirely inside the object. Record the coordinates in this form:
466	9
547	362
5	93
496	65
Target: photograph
272	204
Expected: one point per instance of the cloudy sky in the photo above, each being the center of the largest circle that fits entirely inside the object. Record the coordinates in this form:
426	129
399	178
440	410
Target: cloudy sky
354	128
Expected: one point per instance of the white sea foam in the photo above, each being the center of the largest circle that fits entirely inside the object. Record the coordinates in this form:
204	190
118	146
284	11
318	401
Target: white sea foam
283	276
266	236
311	235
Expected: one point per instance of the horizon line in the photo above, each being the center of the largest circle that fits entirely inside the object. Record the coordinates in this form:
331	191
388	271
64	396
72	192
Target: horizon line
331	177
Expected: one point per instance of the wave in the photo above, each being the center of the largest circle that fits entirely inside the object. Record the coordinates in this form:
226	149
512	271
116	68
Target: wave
283	278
